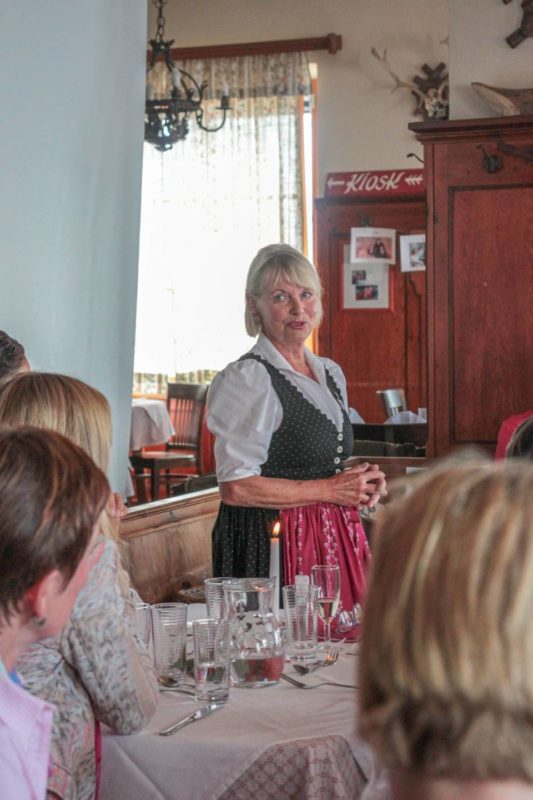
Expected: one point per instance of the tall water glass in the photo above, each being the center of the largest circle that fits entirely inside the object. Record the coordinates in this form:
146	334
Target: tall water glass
214	597
143	624
301	613
327	578
211	659
169	626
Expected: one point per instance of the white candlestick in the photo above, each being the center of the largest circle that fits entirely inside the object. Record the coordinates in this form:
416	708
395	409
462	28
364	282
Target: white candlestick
274	572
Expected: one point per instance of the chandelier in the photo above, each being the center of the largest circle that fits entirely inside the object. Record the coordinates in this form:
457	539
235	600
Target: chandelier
172	94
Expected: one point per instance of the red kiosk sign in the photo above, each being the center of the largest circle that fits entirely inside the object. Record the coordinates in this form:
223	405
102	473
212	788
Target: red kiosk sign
376	183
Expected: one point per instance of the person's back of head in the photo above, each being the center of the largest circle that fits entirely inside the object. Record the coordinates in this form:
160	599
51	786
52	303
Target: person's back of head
63	404
447	652
66	405
521	444
12	356
51	496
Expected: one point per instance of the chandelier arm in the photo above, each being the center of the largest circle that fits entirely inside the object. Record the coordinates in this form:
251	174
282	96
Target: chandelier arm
199	114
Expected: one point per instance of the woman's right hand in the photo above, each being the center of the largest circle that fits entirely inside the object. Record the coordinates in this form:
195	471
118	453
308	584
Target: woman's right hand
358	486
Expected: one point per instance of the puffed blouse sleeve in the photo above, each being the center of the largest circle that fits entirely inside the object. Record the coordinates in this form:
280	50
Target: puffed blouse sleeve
101	643
243	411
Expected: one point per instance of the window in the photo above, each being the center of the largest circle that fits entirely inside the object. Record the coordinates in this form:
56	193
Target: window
207	207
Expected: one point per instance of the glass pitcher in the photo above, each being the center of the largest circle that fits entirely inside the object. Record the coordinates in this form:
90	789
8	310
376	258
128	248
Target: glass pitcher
257	643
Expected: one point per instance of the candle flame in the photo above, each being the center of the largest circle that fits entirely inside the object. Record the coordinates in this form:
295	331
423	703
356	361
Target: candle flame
276	529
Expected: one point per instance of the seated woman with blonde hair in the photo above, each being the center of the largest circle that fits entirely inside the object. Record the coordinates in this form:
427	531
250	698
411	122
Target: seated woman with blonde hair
98	669
446	666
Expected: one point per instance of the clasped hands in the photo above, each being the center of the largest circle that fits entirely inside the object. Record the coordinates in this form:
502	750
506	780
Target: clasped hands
362	485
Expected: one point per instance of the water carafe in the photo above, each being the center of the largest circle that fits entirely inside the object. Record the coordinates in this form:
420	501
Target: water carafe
257	645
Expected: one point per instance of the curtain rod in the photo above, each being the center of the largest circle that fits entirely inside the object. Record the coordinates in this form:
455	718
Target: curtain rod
332	43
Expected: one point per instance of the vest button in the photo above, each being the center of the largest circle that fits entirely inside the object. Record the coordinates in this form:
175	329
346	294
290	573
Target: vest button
339	449
336	460
337	471
340	437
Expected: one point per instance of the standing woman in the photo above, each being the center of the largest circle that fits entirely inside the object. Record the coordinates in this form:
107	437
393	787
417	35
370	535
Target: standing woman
98	670
280	418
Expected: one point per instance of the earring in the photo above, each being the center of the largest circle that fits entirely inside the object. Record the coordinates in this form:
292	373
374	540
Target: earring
39	622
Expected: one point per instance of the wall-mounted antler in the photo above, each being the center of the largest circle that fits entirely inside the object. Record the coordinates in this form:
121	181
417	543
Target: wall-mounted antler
526	26
430	90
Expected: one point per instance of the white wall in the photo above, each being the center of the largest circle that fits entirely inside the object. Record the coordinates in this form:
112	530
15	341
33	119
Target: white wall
361	125
72	94
479	52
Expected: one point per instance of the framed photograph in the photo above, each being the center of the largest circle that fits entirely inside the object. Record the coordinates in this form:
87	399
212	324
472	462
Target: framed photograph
373	244
413	252
366	286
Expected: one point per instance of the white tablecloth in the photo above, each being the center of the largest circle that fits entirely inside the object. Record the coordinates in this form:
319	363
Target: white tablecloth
150	423
275	742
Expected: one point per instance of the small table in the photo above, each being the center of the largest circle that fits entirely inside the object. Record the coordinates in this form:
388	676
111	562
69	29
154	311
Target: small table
150	425
275	742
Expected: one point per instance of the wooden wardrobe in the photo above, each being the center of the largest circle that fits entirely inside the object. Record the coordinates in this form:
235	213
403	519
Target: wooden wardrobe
479	182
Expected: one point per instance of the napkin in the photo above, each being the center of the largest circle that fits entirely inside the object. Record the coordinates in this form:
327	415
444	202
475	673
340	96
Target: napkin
403	418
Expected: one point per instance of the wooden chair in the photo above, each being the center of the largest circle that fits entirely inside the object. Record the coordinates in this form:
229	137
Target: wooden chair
181	457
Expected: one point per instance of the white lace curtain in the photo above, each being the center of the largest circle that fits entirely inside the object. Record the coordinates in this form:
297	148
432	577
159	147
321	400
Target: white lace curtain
207	207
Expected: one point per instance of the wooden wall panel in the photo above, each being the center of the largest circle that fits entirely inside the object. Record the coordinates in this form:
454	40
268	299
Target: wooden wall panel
377	349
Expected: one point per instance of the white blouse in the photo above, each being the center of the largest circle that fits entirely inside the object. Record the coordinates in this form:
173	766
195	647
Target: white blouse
243	409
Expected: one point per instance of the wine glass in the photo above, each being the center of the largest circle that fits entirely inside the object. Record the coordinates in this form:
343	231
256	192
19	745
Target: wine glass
328	580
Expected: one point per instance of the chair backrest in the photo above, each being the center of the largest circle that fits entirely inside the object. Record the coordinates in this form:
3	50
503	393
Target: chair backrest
186	404
393	401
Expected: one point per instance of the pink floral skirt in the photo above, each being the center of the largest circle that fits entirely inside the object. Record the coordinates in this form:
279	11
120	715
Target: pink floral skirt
325	533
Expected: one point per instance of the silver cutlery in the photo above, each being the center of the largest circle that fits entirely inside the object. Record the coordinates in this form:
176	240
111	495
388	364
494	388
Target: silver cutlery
330	659
196	715
300	685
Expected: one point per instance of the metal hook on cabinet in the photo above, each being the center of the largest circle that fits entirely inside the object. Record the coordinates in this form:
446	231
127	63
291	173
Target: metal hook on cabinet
491	163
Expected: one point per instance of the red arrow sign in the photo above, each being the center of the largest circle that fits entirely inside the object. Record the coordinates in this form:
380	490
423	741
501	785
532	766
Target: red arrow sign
374	183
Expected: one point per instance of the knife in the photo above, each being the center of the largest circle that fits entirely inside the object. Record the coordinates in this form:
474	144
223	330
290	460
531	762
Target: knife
198	714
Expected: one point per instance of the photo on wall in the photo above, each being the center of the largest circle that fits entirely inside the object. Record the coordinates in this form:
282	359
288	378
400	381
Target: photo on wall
373	244
413	252
366	286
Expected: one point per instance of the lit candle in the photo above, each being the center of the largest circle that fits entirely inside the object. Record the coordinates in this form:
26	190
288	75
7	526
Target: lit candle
274	565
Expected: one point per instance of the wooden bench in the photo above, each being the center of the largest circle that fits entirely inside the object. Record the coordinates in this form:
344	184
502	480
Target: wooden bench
167	544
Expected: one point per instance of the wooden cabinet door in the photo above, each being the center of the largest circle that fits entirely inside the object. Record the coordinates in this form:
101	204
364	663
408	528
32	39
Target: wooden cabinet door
480	287
377	349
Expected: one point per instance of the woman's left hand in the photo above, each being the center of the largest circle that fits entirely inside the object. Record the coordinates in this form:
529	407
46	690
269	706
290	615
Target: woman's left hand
116	508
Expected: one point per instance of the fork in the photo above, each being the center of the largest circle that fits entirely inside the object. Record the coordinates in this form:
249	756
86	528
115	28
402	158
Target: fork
330	659
300	685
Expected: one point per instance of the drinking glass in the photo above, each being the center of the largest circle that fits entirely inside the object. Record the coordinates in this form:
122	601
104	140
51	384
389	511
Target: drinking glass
169	626
327	579
143	623
211	659
214	596
301	610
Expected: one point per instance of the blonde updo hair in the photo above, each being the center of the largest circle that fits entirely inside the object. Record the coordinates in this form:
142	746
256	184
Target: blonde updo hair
271	263
446	665
65	405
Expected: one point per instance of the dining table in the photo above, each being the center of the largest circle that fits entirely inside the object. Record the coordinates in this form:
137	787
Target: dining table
150	423
276	742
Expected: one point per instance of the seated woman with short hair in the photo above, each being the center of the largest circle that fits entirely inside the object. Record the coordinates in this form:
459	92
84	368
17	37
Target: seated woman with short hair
446	666
51	496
